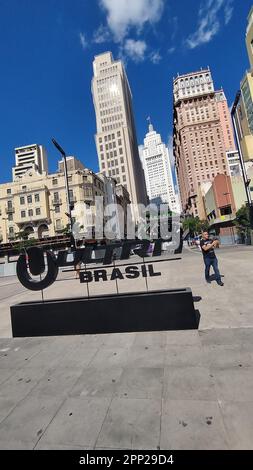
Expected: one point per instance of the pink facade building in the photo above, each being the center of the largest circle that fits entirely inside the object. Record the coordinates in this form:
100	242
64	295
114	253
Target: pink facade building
202	135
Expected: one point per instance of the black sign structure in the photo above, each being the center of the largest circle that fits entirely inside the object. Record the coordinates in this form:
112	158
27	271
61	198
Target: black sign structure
47	264
111	313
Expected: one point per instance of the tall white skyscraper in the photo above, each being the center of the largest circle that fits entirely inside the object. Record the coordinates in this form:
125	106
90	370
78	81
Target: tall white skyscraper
30	157
155	160
116	140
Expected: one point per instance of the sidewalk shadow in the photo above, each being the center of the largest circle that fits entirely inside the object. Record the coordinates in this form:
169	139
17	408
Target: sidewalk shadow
213	278
198	316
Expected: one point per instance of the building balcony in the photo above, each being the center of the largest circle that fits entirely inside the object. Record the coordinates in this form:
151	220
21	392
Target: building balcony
9	210
33	219
57	202
59	229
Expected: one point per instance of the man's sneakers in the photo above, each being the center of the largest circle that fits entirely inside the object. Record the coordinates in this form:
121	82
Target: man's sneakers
208	281
220	283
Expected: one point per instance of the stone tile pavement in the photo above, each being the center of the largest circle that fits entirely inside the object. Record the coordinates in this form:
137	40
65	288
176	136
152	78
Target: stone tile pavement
162	390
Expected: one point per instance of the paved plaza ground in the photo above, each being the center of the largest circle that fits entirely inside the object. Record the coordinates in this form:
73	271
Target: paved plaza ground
162	390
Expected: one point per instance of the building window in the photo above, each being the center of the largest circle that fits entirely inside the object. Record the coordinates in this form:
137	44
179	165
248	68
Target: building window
37	211
10	217
9	204
11	232
55	181
57	209
22	214
24	187
58	223
37	197
9	191
30	213
29	199
225	210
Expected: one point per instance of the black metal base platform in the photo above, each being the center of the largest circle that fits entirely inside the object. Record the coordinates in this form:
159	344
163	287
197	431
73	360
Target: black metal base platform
131	312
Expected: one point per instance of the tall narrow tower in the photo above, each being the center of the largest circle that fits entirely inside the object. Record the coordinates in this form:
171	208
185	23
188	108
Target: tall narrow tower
116	140
157	169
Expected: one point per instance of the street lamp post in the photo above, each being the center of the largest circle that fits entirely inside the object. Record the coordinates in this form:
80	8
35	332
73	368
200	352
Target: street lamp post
59	148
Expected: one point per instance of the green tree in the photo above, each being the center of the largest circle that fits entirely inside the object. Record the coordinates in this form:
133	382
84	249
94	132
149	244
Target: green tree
204	226
242	222
195	225
22	245
66	230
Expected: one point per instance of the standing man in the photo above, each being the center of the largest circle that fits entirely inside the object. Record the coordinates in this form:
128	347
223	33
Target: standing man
207	247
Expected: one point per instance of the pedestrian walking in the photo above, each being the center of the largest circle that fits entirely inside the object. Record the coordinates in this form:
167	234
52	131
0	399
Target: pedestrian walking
207	246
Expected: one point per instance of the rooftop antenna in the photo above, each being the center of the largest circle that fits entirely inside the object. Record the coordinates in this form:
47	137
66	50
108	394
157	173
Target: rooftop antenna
150	127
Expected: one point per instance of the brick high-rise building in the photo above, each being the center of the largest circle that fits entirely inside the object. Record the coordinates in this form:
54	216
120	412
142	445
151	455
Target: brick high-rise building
202	134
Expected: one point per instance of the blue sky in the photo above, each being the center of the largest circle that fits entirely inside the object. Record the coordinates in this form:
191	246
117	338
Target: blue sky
46	53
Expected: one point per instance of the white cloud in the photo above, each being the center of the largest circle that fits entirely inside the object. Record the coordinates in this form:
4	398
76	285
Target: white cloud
155	57
83	41
171	50
124	14
228	11
174	25
102	34
209	21
135	50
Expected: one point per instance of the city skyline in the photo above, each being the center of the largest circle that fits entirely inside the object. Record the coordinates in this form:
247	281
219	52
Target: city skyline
54	71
